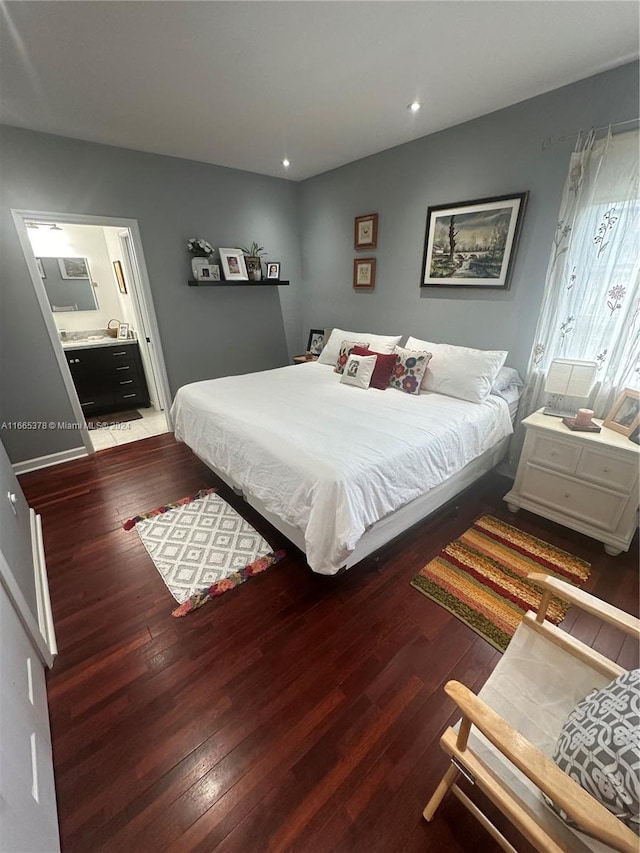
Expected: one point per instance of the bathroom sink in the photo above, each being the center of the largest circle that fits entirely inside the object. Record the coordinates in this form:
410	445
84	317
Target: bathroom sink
94	341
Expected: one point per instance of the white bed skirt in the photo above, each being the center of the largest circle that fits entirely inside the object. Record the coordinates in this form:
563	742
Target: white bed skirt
388	528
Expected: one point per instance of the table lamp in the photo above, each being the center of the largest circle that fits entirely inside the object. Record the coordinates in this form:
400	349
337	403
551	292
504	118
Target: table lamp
568	377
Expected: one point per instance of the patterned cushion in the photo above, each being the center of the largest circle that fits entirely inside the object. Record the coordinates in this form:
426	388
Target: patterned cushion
599	747
345	352
409	370
385	362
358	370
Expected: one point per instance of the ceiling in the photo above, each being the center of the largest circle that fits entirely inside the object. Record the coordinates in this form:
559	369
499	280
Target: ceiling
245	84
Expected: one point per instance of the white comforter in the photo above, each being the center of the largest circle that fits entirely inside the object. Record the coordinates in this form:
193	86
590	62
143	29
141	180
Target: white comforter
329	458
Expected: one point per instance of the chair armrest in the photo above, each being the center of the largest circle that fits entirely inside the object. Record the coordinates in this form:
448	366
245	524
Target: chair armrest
607	612
543	772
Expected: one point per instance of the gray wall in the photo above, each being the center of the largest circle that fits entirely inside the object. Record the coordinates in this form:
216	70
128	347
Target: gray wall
15	534
497	154
208	332
205	331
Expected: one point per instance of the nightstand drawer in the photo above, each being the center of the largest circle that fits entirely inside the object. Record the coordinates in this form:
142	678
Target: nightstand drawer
590	504
607	470
555	453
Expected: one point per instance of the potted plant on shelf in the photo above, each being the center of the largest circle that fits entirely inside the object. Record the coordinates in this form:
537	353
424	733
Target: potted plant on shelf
253	256
200	252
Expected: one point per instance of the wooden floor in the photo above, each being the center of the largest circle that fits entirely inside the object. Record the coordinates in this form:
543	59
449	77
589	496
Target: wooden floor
296	713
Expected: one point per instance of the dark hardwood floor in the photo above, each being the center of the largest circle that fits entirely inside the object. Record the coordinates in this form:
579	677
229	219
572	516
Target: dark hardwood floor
296	713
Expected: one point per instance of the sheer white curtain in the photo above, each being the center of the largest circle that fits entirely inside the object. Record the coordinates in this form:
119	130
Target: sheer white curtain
591	304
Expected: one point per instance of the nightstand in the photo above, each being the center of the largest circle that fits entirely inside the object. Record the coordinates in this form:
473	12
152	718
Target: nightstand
303	359
584	480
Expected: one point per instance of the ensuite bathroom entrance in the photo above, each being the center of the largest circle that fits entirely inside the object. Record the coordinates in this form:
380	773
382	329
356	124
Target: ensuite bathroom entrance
90	283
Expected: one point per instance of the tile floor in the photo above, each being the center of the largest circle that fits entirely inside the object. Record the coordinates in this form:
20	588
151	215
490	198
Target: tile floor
152	423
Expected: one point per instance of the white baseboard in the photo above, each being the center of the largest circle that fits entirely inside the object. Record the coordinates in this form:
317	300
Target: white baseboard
49	460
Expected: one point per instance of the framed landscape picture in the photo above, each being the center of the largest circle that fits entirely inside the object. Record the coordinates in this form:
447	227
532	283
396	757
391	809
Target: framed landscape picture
472	243
73	267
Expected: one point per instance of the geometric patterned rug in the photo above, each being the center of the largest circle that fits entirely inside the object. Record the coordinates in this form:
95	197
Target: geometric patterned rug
202	547
482	578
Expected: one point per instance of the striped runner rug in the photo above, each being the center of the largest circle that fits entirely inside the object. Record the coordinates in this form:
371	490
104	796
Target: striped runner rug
481	578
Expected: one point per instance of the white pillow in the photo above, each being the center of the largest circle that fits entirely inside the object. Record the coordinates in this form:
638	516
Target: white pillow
358	370
460	371
377	343
507	376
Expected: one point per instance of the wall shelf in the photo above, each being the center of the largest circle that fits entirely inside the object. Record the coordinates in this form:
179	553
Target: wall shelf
263	283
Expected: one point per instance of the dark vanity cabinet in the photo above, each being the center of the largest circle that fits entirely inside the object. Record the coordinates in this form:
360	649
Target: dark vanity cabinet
108	378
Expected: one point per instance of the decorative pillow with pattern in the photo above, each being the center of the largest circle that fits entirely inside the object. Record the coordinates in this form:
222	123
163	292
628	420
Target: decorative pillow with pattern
599	748
385	362
345	351
409	370
358	370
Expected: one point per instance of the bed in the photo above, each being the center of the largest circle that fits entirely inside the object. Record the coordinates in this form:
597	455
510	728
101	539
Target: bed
338	470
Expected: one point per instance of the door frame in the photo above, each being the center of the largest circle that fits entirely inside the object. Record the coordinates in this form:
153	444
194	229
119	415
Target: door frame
143	293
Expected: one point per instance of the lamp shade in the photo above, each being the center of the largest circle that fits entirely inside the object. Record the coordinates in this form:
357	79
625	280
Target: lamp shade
570	377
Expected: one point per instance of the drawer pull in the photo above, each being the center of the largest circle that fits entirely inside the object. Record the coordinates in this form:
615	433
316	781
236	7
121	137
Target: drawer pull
123	352
127	382
128	367
124	396
90	403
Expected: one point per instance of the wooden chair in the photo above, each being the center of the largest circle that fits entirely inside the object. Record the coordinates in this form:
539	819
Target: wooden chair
508	732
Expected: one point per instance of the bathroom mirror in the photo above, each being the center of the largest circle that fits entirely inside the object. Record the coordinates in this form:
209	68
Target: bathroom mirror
68	284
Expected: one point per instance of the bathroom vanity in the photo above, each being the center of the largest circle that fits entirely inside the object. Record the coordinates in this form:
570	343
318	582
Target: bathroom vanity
107	374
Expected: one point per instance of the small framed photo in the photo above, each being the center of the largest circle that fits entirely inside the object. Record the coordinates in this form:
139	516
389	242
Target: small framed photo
364	273
204	273
122	286
366	231
123	331
624	417
316	341
40	266
233	264
214	272
273	271
73	268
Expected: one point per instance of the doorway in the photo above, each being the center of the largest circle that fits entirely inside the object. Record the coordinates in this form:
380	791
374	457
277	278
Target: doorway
93	289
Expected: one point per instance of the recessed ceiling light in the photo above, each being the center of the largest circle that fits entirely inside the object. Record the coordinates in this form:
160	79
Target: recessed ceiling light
286	163
414	107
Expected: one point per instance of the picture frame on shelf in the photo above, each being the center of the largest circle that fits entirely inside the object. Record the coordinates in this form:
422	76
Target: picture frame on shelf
366	231
122	285
473	243
40	266
316	341
123	331
273	270
73	268
204	273
624	416
233	264
364	273
214	272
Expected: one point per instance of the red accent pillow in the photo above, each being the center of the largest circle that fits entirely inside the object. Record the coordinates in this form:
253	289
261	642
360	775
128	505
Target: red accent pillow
384	365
